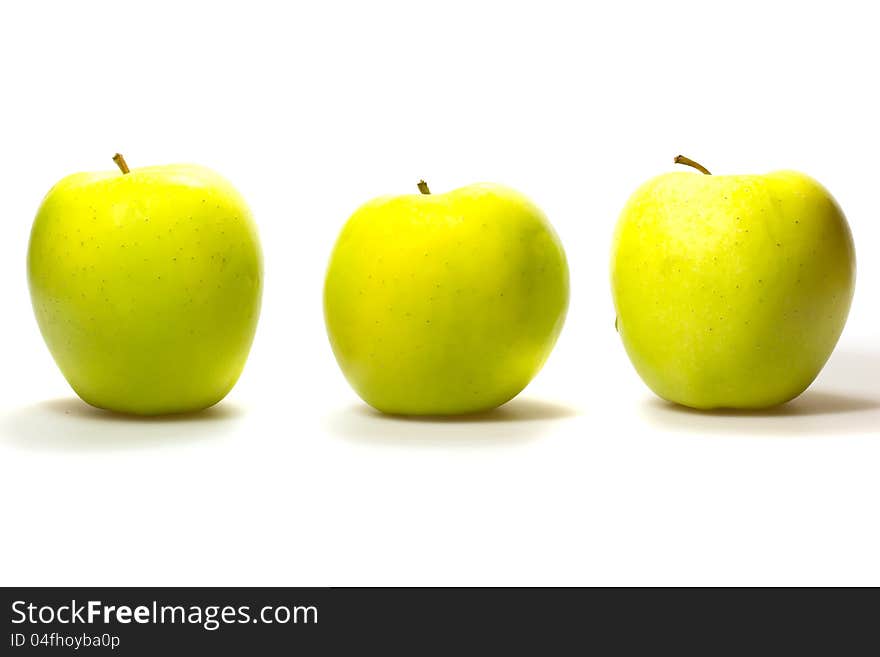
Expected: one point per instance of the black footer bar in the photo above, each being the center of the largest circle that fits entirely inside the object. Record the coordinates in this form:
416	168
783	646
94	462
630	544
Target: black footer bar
455	621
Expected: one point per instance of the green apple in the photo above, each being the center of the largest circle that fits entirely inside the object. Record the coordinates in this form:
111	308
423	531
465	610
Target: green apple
731	291
445	304
146	285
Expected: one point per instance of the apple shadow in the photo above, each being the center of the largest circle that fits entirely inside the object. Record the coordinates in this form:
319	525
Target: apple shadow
72	425
517	421
844	399
853	370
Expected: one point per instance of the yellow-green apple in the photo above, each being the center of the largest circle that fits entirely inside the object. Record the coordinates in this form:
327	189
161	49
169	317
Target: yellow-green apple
445	304
146	284
731	291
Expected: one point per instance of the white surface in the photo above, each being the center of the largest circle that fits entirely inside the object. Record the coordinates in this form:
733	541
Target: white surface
586	479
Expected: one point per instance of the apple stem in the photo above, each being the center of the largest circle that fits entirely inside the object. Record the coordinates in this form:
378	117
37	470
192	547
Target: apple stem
681	159
423	187
120	162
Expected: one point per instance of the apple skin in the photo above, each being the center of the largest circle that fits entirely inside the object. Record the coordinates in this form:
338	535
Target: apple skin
146	286
445	304
731	291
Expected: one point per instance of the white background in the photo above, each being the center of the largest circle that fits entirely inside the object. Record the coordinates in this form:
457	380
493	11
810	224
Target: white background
311	110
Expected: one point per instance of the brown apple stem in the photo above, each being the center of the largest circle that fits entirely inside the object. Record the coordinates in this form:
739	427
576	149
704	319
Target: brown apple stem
681	159
120	162
423	187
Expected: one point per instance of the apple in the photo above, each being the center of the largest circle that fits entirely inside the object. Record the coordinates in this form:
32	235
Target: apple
731	291
444	304
146	285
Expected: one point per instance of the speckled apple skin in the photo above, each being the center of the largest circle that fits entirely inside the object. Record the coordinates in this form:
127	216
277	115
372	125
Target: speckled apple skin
731	291
445	304
146	286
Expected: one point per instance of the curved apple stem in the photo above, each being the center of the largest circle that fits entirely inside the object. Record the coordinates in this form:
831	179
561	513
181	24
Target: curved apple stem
681	159
120	162
423	187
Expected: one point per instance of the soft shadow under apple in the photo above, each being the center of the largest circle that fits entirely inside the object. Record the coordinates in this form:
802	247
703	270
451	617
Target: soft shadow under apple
813	413
853	369
71	425
844	399
518	421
